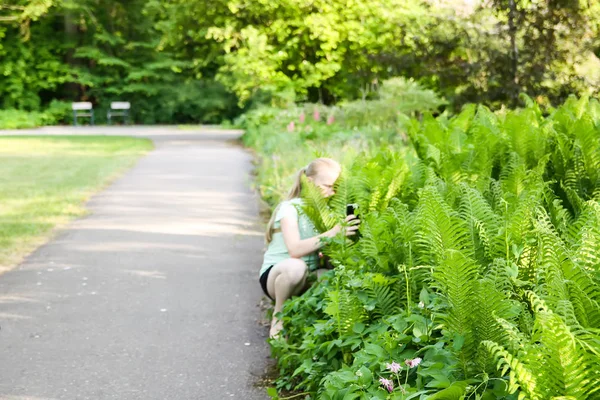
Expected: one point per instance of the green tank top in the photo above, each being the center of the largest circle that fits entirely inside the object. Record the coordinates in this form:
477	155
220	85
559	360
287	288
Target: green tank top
277	250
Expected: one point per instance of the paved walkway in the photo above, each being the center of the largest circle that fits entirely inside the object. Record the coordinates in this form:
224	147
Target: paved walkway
154	295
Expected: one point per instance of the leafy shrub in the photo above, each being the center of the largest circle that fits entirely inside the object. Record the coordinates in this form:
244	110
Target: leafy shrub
396	96
478	256
257	117
58	112
16	119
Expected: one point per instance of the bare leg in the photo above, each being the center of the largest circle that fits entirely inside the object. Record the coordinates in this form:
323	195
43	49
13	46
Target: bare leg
286	279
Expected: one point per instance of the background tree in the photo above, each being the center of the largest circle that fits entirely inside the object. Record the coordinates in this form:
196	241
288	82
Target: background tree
200	61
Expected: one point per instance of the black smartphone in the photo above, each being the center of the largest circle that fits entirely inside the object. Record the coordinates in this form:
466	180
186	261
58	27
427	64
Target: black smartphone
351	209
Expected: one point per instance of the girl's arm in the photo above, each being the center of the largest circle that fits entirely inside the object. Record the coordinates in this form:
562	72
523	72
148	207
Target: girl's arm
302	247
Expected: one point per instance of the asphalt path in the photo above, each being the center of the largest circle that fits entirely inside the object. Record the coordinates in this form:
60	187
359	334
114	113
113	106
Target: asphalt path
154	295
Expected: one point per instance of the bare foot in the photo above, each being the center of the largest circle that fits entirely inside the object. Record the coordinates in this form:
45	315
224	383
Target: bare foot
276	327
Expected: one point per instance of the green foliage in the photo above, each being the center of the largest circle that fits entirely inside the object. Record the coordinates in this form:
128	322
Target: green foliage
328	51
102	52
56	112
478	254
396	95
551	362
14	119
190	61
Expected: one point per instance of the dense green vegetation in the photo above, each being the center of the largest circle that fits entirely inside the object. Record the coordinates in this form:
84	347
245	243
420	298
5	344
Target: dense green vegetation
477	270
187	61
44	182
468	139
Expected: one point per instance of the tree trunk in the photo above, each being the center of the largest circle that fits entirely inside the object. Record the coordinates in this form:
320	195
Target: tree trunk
71	88
512	31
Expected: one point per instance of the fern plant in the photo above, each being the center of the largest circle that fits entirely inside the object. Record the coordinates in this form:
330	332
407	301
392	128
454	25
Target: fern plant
478	256
550	363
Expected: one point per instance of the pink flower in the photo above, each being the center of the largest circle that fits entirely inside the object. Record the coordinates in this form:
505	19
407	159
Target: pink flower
291	126
316	115
387	384
394	367
302	118
330	120
413	363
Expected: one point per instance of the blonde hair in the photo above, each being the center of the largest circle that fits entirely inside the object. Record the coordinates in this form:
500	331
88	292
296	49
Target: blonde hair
311	170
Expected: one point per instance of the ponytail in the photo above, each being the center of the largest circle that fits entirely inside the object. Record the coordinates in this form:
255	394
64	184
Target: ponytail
296	190
294	193
271	225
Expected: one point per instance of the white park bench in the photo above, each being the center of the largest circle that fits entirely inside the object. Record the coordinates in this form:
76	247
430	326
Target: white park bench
83	109
122	110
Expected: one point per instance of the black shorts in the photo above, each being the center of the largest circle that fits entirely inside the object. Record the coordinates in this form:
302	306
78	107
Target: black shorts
263	281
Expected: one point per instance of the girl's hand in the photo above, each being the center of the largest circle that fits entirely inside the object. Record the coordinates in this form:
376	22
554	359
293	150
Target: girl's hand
352	225
349	228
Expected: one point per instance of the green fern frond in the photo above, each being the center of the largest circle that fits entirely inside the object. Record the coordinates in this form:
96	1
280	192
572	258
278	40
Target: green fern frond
456	277
495	196
561	217
556	267
380	246
586	134
514	175
490	304
404	220
525	135
440	228
588	254
511	335
345	309
520	377
420	173
344	194
580	106
517	227
587	218
585	238
385	293
567	367
501	274
483	223
394	187
564	278
584	292
317	208
465	118
538	305
586	338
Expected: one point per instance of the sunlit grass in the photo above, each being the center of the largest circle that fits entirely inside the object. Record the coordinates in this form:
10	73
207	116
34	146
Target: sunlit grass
45	181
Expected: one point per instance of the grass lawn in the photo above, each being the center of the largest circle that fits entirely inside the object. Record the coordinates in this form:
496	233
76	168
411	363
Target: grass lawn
45	181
